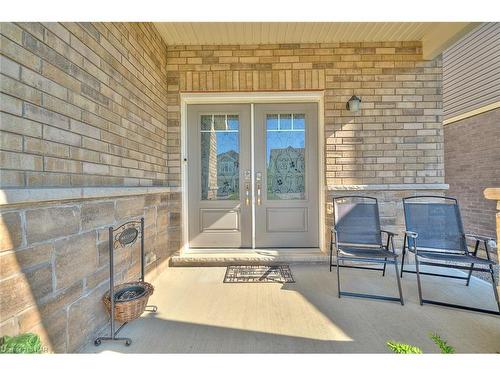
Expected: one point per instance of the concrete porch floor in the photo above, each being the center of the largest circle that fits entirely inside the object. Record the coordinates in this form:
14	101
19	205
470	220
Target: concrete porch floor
198	313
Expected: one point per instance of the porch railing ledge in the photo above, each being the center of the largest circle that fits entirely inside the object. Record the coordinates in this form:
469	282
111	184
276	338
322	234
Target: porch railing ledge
492	193
388	187
9	196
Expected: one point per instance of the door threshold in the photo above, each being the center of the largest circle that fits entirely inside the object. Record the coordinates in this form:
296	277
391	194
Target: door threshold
267	250
226	257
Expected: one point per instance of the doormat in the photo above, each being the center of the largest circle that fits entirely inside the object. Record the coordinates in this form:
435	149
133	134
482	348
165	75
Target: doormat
259	274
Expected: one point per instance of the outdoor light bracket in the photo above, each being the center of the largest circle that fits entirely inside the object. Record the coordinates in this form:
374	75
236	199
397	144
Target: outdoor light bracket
353	104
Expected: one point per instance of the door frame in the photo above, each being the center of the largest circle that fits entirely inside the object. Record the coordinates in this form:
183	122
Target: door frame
259	97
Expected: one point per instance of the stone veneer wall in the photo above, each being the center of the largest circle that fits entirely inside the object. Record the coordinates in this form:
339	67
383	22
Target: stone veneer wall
54	262
82	104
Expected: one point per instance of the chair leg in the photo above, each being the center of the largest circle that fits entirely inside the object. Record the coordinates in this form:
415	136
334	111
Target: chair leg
338	276
418	281
470	274
399	282
331	255
385	264
494	285
403	260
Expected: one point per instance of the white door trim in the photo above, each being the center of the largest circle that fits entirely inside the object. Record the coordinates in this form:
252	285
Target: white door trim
253	98
252	167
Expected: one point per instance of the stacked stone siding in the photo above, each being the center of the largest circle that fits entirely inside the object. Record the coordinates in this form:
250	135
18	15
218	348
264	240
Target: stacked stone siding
397	136
54	262
473	164
82	104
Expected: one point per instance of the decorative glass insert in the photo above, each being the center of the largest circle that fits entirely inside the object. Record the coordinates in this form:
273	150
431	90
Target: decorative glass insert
220	157
285	156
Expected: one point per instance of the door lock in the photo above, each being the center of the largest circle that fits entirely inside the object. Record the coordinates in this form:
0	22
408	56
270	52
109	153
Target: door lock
248	175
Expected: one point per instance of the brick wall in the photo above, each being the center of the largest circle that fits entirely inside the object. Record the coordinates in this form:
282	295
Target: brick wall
82	104
472	164
396	137
54	262
98	104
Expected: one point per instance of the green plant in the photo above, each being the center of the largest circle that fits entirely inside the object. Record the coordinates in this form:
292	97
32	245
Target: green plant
401	348
26	343
442	344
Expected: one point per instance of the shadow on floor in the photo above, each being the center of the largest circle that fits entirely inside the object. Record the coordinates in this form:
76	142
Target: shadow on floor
155	335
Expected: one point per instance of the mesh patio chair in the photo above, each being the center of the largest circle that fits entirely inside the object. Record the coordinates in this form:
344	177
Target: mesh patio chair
434	234
358	239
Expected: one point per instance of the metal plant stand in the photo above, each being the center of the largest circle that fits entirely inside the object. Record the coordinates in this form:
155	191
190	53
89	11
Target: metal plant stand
123	236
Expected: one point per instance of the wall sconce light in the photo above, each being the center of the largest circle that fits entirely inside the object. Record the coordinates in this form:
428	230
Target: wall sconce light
353	104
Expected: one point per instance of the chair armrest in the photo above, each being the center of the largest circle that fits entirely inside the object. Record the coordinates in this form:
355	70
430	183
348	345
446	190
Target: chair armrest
411	234
333	232
489	243
389	232
478	237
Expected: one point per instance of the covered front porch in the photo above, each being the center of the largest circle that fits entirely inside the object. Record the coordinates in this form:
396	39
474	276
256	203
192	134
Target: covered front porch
97	121
198	313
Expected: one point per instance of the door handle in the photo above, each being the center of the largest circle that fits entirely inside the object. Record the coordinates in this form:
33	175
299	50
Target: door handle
247	194
258	180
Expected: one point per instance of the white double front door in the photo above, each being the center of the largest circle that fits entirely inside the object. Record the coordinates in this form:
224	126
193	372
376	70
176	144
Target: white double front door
252	185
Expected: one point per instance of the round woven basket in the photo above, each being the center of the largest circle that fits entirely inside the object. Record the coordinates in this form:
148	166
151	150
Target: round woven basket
128	310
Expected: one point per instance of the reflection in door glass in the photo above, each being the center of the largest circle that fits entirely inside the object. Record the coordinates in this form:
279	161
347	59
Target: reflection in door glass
220	157
285	159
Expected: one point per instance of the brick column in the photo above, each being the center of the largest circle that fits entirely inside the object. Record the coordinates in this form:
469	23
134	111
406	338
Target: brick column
494	194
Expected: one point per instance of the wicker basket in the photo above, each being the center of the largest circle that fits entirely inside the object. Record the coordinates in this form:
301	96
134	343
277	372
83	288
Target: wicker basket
128	310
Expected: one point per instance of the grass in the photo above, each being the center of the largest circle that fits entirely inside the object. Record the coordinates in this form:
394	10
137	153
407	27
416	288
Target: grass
26	343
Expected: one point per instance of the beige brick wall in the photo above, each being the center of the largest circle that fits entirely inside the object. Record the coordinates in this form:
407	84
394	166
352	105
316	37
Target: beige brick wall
82	104
54	262
98	104
396	137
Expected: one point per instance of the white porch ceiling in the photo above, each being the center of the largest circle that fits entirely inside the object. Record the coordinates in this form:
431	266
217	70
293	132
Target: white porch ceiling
435	36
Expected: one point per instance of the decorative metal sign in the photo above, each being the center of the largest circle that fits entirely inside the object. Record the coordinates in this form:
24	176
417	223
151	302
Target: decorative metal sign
128	236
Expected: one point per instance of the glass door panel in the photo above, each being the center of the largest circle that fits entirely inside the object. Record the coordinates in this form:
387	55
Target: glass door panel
285	156
220	157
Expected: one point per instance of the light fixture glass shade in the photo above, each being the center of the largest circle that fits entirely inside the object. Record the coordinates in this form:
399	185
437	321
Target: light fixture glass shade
353	104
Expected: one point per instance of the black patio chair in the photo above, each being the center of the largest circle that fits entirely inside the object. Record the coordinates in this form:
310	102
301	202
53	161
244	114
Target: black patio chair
358	239
435	235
